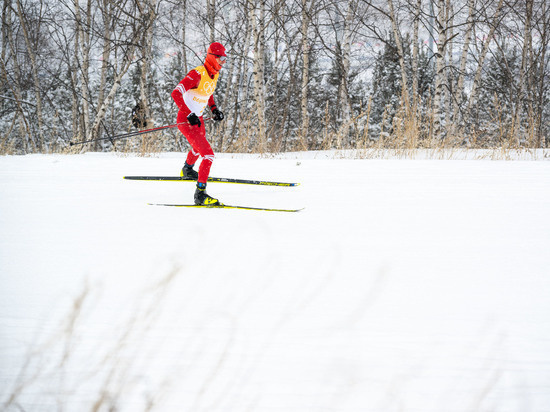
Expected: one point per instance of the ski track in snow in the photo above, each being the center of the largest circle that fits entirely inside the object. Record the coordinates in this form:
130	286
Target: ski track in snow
403	285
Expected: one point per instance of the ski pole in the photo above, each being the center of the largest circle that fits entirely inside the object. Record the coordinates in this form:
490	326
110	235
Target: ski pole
131	134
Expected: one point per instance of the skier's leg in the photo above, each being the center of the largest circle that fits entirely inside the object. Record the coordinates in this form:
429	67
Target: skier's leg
190	133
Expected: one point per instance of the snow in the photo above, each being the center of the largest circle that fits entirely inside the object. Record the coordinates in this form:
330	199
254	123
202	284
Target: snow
404	285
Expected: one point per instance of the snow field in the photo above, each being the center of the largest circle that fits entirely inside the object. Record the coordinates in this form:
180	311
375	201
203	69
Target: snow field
403	286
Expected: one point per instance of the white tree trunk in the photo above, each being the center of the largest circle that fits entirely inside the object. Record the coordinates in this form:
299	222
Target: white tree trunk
102	109
449	76
149	16
483	54
42	144
523	82
211	10
345	61
183	37
459	89
24	130
399	44
439	69
415	91
83	61
545	46
258	72
305	75
107	13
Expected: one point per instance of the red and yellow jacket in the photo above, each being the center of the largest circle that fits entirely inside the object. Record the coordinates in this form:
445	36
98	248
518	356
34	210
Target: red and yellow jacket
196	91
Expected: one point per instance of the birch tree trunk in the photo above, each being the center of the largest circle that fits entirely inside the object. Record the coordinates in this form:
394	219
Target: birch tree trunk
449	75
523	82
28	142
481	59
42	144
305	76
183	36
102	109
73	75
291	85
227	93
5	44
258	73
239	88
107	12
345	62
399	44
545	43
211	11
233	96
148	14
415	56
459	89
439	69
272	118
83	62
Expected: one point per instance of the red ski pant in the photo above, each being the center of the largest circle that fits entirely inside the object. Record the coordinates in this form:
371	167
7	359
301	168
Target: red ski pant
196	136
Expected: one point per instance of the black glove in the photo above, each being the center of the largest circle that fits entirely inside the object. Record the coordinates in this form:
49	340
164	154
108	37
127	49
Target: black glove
217	115
194	120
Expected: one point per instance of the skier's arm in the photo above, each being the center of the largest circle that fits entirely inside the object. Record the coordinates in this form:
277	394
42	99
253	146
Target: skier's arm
190	81
212	103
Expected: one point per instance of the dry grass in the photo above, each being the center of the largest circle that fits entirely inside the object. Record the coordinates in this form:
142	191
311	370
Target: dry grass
407	134
47	374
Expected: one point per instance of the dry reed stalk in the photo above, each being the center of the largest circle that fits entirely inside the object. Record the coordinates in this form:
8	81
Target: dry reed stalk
243	141
326	144
532	141
151	144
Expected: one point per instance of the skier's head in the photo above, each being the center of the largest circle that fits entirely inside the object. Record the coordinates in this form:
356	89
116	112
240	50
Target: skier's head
215	57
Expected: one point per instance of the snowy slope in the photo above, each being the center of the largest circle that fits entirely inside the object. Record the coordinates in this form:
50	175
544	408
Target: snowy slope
404	285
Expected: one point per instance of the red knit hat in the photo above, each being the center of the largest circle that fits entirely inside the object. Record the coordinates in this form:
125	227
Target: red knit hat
215	50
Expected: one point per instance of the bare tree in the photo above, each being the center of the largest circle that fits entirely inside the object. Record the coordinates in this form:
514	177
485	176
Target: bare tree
28	141
183	33
211	17
129	31
493	24
416	23
82	59
345	49
542	28
257	26
439	67
458	96
524	77
400	50
306	13
147	17
295	67
42	144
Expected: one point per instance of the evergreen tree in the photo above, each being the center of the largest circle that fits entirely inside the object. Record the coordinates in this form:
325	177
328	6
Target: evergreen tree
497	92
387	84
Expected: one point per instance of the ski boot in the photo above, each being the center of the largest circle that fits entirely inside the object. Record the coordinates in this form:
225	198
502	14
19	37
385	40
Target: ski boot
203	199
187	172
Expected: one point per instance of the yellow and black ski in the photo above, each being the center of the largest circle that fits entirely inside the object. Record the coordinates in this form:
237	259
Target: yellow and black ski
212	179
222	206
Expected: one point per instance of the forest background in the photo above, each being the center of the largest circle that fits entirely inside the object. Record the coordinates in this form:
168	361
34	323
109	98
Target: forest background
300	75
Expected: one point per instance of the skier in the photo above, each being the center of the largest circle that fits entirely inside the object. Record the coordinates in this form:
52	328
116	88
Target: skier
192	95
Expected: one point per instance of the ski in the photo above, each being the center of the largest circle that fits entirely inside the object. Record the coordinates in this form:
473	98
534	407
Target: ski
222	206
212	179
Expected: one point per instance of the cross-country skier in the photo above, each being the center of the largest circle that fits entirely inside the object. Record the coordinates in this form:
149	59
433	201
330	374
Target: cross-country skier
192	95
